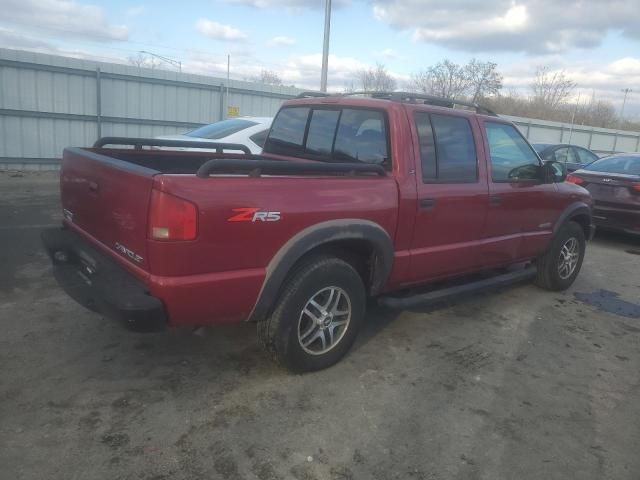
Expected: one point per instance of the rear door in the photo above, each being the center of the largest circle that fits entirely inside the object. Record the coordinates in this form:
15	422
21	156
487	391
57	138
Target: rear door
522	208
452	195
109	200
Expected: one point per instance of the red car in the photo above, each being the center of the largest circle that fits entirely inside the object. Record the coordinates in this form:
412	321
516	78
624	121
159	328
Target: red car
614	183
353	197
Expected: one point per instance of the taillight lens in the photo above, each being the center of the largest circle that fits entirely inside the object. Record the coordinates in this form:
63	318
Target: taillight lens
575	179
636	186
172	218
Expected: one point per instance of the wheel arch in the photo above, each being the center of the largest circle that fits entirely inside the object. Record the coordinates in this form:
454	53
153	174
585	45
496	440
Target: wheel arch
578	212
344	238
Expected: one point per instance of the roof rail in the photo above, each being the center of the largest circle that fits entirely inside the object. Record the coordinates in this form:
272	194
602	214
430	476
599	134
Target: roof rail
312	95
410	97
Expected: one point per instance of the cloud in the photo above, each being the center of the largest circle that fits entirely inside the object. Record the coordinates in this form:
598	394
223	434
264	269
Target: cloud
61	17
388	53
219	31
531	26
294	5
134	11
282	41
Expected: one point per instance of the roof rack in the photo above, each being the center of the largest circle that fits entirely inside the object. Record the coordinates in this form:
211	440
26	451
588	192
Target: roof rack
410	97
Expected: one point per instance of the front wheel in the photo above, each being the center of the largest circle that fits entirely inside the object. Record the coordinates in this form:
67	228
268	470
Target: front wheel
560	265
317	316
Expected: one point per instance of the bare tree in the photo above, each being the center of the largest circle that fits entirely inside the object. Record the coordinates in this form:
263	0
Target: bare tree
268	77
551	89
445	79
140	60
376	79
484	79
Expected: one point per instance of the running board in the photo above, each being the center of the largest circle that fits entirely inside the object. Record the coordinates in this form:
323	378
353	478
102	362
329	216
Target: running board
449	293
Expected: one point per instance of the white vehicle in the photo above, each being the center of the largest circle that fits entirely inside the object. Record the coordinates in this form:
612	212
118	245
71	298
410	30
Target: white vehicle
249	131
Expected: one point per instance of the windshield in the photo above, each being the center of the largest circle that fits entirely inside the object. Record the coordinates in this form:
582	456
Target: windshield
221	129
625	164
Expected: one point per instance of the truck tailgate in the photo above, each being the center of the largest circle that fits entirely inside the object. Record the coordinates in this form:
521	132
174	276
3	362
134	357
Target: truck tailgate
108	199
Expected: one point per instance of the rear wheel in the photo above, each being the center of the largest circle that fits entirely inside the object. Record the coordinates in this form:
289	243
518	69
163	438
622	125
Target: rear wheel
317	316
560	265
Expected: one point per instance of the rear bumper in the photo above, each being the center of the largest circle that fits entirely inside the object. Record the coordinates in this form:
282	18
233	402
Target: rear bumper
621	219
98	283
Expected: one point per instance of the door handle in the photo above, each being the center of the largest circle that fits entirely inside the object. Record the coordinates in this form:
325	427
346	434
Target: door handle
495	200
93	186
427	203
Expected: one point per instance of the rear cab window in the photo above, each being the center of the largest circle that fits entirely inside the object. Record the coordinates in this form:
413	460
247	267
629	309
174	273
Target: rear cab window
447	148
331	134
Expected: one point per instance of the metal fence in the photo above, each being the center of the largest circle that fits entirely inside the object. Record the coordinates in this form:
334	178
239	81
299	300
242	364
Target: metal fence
600	140
48	102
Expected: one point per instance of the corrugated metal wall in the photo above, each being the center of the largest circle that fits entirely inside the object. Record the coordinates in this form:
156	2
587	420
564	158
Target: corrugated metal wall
48	102
601	140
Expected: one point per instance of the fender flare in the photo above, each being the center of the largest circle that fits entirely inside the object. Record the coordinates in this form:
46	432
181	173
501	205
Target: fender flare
573	210
314	236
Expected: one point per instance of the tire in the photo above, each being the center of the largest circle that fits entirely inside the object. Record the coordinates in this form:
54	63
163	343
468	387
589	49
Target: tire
554	272
295	319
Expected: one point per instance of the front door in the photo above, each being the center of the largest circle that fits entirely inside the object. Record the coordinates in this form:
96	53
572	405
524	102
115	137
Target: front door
521	206
452	195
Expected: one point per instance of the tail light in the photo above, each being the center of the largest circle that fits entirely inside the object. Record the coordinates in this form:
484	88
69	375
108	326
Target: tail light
636	186
172	218
575	179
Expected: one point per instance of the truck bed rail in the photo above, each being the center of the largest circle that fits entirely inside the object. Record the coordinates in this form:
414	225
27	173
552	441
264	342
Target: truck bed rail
257	167
138	143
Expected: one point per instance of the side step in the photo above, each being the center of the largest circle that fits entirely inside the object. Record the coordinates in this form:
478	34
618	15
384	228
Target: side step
449	293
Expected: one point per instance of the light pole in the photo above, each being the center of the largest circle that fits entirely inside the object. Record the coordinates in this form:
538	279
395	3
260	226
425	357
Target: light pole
325	47
626	92
175	63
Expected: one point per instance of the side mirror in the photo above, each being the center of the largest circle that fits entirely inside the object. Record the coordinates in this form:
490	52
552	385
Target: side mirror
554	172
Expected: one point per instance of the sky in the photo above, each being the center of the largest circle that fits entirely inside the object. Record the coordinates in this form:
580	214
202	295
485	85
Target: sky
595	42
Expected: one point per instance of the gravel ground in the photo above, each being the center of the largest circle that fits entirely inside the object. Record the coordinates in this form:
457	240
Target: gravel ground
516	384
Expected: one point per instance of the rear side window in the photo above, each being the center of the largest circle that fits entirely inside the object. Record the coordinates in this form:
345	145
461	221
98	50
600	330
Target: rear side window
626	164
585	156
512	159
447	150
330	135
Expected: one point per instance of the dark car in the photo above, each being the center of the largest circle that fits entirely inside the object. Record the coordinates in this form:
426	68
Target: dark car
614	183
573	157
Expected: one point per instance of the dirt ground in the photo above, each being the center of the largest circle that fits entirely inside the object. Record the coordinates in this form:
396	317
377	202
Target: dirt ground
516	384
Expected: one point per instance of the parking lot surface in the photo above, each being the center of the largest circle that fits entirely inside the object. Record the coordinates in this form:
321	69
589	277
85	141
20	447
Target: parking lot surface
515	384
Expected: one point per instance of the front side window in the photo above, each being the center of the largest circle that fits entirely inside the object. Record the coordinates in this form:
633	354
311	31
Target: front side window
330	134
512	159
447	150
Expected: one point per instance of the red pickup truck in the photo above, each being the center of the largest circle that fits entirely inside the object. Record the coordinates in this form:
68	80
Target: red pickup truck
354	197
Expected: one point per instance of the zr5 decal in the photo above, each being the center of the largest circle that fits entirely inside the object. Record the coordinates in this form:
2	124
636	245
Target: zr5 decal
253	215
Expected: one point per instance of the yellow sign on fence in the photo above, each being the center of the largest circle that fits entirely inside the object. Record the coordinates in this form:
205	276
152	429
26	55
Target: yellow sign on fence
233	111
